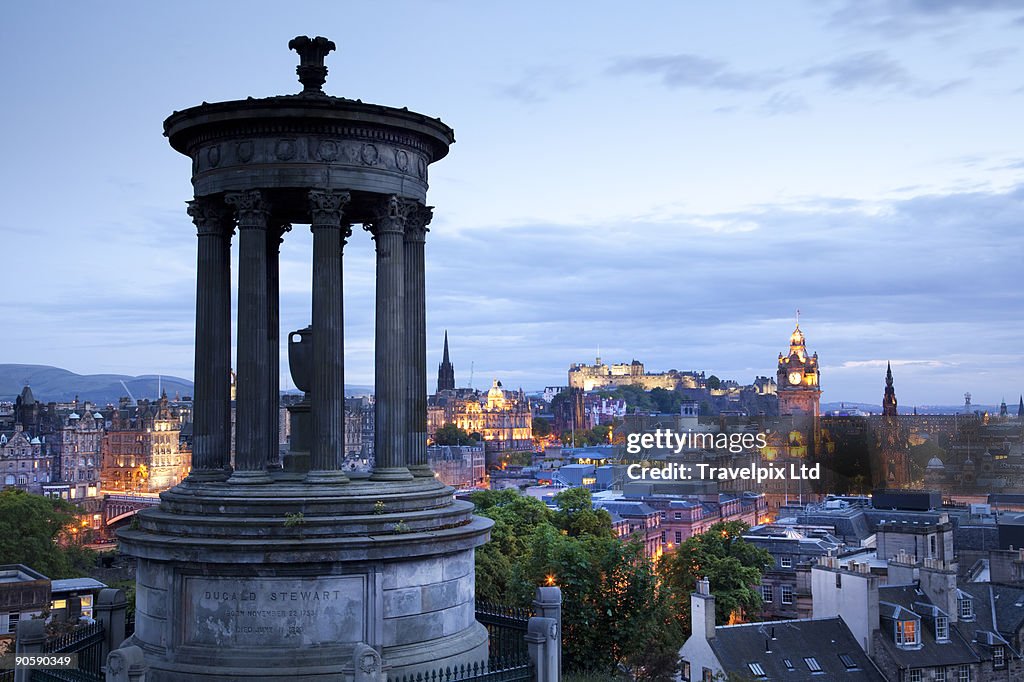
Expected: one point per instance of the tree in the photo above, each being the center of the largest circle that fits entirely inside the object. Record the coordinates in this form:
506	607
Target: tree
616	613
33	532
733	566
541	427
450	434
713	382
576	515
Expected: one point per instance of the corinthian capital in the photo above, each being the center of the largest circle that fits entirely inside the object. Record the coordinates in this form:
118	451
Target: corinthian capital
390	215
210	217
251	208
416	224
326	207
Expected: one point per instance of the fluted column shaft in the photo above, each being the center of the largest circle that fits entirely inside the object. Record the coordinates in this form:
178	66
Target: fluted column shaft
212	397
275	235
390	343
327	393
416	341
252	433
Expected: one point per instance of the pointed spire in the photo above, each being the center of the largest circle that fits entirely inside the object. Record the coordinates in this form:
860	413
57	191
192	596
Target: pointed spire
1020	407
889	399
445	358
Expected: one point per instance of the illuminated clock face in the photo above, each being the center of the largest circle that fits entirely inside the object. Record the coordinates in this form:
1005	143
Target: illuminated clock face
794	378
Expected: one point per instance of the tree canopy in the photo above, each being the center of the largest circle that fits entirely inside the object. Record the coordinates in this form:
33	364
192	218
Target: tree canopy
616	612
733	566
450	434
33	533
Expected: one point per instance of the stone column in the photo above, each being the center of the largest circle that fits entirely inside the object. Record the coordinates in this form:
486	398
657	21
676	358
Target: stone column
327	393
275	236
389	344
252	433
416	341
211	448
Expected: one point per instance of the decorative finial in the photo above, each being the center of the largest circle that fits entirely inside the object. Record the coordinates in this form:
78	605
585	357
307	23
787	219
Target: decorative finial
311	70
797	318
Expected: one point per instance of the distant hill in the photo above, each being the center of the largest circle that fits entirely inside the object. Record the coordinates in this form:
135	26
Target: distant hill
53	384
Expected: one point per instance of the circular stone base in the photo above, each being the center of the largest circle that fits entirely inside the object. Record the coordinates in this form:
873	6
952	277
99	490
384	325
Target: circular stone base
285	580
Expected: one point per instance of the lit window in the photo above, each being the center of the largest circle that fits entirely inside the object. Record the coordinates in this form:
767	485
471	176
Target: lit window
59	604
756	669
787	594
766	594
812	664
906	632
686	671
915	675
942	629
706	675
786	562
848	661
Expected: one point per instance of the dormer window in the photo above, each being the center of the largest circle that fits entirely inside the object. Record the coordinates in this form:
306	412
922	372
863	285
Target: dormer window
907	633
966	608
941	629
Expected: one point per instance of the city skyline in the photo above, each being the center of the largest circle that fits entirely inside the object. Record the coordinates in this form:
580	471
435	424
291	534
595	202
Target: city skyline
667	185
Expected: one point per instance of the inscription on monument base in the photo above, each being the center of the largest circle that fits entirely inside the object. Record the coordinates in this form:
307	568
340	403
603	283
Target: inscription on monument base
284	612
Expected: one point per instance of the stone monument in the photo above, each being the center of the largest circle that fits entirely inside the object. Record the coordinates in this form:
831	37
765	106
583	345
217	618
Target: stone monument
256	570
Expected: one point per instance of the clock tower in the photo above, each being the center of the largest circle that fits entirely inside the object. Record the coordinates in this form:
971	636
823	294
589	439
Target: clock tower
799	387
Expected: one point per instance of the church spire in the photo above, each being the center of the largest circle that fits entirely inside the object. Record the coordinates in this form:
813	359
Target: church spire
445	371
889	399
1020	408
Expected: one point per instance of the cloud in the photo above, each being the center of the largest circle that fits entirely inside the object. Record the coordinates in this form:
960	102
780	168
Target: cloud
868	70
537	85
990	59
694	71
901	18
865	69
784	103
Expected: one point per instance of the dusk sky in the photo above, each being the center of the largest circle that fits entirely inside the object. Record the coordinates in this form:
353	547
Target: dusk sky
660	181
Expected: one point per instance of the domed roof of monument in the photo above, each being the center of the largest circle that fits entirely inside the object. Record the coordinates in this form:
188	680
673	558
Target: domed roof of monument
312	106
936	463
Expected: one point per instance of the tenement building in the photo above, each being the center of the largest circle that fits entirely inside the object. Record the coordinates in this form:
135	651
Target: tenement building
141	450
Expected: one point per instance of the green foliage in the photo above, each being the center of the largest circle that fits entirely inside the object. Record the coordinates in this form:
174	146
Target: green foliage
541	427
616	613
450	434
733	566
32	532
577	517
295	519
713	382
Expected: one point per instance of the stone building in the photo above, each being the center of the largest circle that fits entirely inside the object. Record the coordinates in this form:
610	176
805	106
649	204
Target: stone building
818	649
23	462
77	449
504	419
460	466
141	450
